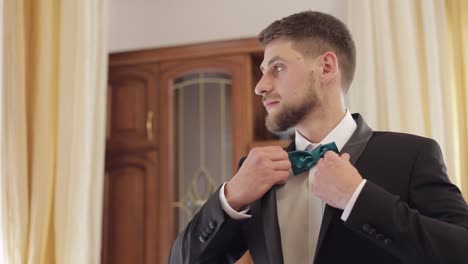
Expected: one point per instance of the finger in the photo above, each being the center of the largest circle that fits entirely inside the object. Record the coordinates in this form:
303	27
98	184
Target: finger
314	188
320	162
269	153
272	148
280	177
331	155
278	155
267	149
345	157
282	165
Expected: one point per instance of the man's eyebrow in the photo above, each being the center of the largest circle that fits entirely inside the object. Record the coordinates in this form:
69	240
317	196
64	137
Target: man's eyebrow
271	61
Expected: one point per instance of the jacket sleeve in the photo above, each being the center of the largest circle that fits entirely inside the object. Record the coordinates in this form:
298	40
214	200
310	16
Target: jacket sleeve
431	227
210	237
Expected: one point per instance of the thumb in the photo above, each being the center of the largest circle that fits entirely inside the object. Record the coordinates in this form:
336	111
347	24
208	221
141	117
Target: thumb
330	155
345	157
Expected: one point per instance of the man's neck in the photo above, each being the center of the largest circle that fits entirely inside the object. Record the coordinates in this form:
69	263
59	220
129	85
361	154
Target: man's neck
319	124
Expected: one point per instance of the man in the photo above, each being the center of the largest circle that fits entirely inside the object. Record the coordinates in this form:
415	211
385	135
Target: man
385	198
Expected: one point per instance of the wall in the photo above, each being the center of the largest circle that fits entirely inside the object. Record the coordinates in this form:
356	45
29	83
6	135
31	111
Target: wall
142	24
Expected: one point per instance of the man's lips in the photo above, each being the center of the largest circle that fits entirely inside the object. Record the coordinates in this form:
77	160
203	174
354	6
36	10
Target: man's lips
270	103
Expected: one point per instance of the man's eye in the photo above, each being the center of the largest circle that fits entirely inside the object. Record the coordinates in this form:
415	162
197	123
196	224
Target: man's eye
277	68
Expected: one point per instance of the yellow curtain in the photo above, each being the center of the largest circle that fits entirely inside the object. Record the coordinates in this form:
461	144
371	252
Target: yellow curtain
403	77
53	134
457	14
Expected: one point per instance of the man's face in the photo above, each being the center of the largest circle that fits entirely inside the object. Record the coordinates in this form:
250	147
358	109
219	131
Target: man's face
288	85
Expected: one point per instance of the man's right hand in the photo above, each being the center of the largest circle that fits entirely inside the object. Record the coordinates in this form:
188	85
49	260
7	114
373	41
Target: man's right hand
263	168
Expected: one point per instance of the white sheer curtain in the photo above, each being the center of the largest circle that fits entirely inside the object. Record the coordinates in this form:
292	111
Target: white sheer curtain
403	80
53	134
457	14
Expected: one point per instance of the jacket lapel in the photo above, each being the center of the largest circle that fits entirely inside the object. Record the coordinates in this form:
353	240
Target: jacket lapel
271	227
354	147
270	222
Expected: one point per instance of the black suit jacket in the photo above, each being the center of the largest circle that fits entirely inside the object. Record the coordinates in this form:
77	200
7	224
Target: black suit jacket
407	212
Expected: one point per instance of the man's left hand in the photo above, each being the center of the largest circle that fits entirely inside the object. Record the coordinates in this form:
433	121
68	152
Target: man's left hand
336	179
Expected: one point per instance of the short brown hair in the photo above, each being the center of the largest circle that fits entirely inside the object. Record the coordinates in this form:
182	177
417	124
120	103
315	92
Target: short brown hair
318	33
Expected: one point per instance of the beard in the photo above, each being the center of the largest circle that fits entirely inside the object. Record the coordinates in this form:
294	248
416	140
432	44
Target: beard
292	114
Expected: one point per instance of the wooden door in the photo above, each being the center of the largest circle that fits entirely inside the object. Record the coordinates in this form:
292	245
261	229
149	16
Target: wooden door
130	216
238	70
141	165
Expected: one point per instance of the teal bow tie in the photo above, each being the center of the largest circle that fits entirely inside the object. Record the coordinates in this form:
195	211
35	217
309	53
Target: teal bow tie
302	160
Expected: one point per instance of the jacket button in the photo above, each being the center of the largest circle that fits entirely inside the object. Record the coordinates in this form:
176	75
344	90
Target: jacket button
366	228
379	237
212	224
202	239
209	230
204	234
387	241
372	232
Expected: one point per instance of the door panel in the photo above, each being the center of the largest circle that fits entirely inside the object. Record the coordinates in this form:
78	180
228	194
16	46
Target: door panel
130	211
132	107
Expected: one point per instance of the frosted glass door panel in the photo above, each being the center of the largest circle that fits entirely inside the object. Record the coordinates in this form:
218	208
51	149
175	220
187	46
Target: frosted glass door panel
203	139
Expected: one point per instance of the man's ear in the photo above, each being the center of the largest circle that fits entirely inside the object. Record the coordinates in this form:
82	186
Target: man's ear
330	67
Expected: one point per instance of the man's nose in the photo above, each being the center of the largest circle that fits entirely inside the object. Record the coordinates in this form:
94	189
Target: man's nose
263	86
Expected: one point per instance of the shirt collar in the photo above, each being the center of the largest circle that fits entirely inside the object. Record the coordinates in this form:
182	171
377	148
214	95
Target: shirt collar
340	134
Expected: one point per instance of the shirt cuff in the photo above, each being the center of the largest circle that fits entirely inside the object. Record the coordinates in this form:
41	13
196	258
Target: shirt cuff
228	209
352	201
